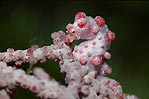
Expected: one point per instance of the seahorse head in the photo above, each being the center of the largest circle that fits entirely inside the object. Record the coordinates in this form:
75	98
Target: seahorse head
85	27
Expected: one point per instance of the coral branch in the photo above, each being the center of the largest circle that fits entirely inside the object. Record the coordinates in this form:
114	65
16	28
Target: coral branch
85	66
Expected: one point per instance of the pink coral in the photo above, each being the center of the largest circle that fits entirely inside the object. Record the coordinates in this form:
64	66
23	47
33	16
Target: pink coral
85	66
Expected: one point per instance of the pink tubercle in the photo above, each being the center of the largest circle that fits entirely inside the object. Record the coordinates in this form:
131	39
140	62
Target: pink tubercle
100	21
70	54
94	43
95	61
43	96
99	38
34	89
110	36
82	24
108	82
119	96
45	50
83	60
68	39
85	46
107	71
102	46
76	50
30	51
76	37
115	84
107	55
51	56
69	27
24	86
95	33
80	15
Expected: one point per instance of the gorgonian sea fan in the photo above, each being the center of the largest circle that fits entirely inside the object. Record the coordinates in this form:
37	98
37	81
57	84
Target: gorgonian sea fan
85	66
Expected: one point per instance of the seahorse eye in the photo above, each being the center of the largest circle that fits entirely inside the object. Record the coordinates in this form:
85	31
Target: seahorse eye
72	31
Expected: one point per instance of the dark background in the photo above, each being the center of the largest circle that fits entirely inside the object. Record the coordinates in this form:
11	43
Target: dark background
25	23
